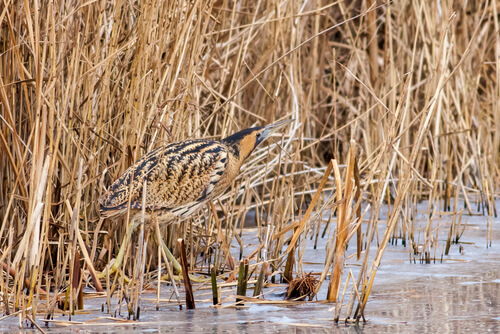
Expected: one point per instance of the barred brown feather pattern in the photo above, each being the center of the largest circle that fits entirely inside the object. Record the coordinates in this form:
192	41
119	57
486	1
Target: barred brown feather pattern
180	177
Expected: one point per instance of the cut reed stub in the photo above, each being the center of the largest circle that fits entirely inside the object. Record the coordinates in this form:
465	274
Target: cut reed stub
215	291
260	280
242	281
301	287
190	305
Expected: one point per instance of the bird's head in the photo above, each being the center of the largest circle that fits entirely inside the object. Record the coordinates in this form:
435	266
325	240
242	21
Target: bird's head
245	141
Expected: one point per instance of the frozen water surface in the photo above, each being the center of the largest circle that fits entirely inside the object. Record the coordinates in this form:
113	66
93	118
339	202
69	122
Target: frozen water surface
460	294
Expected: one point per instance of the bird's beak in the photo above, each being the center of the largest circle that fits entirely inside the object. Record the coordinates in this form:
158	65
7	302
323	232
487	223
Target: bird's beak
272	128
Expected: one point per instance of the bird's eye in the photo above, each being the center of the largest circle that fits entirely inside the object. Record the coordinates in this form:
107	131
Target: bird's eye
258	134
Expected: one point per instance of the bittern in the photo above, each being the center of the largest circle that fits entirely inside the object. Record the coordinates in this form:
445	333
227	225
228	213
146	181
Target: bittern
180	177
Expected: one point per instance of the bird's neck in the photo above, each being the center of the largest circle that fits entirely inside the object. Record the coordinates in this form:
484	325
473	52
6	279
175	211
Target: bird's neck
234	165
237	154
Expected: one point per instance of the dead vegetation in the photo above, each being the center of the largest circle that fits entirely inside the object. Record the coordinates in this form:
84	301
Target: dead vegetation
400	100
301	287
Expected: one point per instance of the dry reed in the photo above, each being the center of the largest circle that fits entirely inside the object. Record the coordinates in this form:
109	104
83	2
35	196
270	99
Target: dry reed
88	88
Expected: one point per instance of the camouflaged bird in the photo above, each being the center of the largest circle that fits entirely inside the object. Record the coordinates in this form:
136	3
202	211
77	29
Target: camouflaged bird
182	177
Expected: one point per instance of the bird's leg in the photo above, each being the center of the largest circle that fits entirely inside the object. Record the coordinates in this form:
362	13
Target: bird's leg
175	263
171	257
121	253
169	254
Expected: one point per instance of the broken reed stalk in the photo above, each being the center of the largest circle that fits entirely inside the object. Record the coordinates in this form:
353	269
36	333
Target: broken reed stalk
260	280
343	213
215	290
75	282
339	240
242	281
190	305
288	273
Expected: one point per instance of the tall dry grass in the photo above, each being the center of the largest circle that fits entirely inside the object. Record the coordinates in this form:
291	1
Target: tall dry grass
86	88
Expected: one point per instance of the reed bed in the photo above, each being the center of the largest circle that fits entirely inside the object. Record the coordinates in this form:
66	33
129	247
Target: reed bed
394	103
